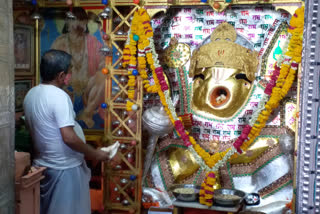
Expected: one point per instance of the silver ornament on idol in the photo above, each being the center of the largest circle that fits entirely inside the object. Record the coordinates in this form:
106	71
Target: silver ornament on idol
157	123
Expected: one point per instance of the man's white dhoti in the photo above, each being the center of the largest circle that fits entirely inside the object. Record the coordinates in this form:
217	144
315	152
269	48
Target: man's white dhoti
66	191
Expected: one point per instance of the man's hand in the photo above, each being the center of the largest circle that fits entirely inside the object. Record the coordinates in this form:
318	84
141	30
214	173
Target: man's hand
112	149
101	155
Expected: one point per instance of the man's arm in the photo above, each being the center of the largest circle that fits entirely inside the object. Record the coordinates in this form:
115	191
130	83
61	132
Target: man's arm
74	142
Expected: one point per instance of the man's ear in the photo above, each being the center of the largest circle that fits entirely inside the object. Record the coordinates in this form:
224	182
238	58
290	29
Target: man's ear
61	76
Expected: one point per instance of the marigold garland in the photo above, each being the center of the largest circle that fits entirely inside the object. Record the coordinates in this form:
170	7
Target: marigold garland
206	189
135	59
286	76
278	87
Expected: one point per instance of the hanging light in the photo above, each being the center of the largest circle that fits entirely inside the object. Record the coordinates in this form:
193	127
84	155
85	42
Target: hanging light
105	14
105	50
36	15
117	19
69	2
70	15
119	32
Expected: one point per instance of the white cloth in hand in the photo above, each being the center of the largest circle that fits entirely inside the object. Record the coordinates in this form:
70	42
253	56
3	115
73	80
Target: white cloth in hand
112	150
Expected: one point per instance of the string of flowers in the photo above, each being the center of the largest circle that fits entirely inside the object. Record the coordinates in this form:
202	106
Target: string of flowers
277	88
265	96
278	76
206	189
139	35
285	79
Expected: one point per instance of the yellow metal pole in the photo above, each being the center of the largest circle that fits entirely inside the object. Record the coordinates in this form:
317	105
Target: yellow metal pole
296	140
37	53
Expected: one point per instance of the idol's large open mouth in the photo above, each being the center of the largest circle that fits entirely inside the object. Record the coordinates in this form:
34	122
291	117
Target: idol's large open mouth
219	96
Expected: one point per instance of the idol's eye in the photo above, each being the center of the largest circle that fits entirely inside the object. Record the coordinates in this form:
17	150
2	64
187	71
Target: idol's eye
201	76
242	76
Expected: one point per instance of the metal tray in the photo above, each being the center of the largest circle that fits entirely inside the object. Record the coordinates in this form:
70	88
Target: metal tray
220	197
186	197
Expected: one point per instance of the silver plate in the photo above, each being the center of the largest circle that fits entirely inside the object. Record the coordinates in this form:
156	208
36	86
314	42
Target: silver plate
228	202
186	197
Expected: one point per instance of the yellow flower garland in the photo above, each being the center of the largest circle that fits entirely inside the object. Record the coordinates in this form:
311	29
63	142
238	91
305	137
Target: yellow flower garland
277	94
284	82
141	30
286	76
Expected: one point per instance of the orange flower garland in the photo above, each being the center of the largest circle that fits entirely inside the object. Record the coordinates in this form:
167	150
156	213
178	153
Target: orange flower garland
139	35
286	77
206	190
209	162
284	82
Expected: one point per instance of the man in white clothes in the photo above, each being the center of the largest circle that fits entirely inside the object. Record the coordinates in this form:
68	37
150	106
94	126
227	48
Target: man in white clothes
59	142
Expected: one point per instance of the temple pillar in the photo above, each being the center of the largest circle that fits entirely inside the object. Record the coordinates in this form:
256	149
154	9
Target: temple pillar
7	109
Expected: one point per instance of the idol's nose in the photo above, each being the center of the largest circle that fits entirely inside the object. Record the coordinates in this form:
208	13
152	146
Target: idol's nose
219	74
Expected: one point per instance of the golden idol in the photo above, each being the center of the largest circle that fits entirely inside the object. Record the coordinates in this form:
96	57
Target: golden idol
223	73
